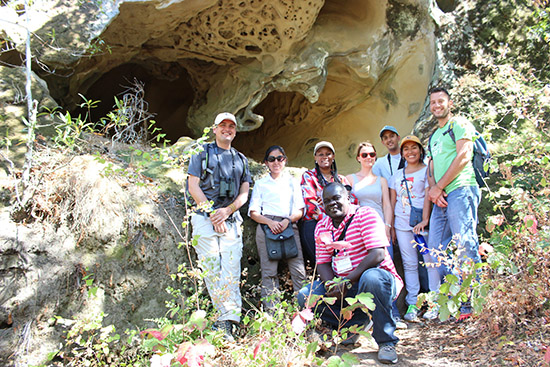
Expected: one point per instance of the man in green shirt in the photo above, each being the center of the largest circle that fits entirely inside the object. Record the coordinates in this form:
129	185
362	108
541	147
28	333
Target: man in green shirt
453	186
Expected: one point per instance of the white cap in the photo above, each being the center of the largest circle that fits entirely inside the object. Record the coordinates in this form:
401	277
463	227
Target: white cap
225	116
322	144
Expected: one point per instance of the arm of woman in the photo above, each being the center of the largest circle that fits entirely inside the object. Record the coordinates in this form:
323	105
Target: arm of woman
345	181
426	211
386	207
393	200
350	179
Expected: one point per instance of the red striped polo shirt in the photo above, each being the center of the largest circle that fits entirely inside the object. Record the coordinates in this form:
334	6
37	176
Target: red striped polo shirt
365	232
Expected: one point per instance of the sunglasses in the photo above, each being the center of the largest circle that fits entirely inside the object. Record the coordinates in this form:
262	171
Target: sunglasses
272	158
371	154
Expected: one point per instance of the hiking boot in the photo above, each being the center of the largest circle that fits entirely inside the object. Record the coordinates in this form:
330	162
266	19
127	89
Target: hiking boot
353	338
399	324
432	313
226	327
387	354
412	313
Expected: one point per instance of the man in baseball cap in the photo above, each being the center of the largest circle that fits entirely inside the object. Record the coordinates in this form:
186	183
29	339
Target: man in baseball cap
220	174
387	165
225	116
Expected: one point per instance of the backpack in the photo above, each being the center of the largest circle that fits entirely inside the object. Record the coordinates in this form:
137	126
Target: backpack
206	172
480	158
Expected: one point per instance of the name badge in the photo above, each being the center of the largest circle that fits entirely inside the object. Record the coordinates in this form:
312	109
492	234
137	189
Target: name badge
342	263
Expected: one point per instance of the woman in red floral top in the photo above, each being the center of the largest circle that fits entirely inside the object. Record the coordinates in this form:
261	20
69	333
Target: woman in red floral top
313	182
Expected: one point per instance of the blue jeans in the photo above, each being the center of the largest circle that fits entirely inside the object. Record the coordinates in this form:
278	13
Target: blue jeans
379	282
457	221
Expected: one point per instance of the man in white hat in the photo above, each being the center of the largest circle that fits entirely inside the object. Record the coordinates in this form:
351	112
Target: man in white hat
220	174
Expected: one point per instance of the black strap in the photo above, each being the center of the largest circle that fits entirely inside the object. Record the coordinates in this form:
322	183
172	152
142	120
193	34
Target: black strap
343	234
401	163
407	187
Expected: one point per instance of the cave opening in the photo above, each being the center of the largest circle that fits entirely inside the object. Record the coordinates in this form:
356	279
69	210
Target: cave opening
284	116
168	99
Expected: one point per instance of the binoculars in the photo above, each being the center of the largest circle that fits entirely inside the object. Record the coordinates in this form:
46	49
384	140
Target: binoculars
227	187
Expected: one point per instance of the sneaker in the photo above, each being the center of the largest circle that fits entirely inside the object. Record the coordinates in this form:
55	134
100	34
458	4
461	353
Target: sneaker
353	338
412	313
466	311
432	313
399	324
387	354
226	327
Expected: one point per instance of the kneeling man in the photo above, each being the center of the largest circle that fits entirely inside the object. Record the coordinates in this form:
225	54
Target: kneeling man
365	266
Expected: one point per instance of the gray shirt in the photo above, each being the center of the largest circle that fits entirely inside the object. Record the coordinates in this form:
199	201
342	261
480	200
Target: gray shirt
229	165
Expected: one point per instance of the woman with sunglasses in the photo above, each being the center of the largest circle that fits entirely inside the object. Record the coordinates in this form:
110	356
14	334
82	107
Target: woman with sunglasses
369	189
277	202
409	186
313	182
372	191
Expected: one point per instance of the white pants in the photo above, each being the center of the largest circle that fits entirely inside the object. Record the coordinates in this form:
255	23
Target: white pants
219	257
409	256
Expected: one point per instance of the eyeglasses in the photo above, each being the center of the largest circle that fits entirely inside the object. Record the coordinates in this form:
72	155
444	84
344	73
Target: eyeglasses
370	154
272	158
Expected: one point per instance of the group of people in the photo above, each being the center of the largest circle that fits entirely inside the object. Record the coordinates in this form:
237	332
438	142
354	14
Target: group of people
349	225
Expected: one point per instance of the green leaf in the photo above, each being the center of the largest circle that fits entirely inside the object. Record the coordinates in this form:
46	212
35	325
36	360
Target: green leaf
334	361
350	359
311	349
451	278
454	289
444	312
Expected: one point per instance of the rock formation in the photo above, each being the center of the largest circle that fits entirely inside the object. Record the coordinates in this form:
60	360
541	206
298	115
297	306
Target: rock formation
294	72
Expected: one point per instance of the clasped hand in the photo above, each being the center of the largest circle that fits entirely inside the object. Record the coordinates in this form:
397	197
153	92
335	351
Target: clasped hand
278	227
437	196
218	218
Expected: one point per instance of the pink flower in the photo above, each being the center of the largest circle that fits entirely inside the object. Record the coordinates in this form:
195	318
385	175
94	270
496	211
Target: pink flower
494	221
161	360
257	348
193	355
531	223
154	333
300	320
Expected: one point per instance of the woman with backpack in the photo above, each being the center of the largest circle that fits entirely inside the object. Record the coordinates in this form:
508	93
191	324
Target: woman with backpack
277	204
411	206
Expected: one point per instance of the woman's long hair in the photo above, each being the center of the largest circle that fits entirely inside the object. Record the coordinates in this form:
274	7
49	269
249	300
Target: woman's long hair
333	172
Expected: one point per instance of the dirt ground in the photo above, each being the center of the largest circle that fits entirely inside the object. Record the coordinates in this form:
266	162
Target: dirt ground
449	344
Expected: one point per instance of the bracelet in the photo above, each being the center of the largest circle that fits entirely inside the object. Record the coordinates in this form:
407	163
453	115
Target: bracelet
232	207
389	225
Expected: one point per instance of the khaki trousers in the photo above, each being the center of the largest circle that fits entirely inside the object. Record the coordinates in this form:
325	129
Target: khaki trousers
270	279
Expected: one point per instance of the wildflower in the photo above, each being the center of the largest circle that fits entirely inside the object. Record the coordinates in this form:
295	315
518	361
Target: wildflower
300	320
531	223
